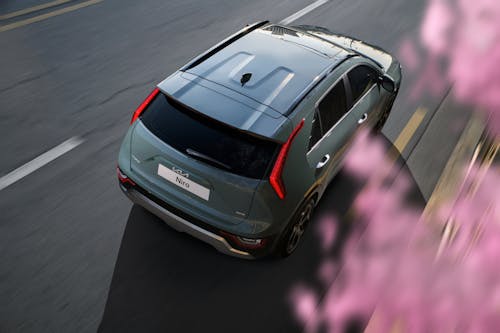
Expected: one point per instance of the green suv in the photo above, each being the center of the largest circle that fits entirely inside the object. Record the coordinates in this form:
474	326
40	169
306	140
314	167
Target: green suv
237	147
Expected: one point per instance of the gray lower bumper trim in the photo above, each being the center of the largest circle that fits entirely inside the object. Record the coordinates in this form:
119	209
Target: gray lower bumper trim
180	224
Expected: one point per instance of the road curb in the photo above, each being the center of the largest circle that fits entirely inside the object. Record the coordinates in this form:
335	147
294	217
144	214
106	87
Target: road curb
465	153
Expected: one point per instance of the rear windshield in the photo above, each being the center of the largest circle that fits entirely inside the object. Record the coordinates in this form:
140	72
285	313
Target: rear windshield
207	140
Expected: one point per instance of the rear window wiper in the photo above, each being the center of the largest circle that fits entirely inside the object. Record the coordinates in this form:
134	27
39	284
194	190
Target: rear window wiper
199	155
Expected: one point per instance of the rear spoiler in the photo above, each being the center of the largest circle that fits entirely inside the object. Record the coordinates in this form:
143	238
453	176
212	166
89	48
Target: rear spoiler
210	52
184	107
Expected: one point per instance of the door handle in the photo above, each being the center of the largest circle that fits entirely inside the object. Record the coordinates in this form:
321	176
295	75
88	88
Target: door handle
362	119
323	161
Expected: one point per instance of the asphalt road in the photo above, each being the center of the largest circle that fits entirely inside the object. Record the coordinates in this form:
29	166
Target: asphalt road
61	247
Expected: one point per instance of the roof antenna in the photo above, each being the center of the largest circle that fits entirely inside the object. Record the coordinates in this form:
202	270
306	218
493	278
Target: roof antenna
245	78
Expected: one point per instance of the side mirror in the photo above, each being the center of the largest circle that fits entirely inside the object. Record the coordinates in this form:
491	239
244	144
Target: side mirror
387	83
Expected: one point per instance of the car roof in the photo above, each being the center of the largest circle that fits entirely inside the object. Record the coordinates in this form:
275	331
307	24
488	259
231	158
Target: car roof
273	65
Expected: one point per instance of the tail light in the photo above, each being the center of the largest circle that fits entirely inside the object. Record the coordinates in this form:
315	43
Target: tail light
123	178
144	104
243	242
275	178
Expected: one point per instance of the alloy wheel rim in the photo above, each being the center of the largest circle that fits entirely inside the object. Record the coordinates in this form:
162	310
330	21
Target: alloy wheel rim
298	229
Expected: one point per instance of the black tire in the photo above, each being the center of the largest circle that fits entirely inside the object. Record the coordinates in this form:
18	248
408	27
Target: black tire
381	122
294	232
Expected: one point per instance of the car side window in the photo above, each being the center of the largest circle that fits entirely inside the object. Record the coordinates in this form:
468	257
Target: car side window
333	106
361	78
315	131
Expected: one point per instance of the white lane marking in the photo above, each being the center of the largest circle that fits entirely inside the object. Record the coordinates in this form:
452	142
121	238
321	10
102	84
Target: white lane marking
303	12
39	162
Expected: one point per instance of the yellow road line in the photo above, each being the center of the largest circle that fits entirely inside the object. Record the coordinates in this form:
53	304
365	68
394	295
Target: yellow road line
33	9
39	18
410	128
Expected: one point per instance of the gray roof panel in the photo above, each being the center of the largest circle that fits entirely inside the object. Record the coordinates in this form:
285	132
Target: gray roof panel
279	64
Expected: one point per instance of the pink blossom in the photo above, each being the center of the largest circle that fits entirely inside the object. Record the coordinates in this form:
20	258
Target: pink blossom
466	36
396	268
435	30
327	231
390	268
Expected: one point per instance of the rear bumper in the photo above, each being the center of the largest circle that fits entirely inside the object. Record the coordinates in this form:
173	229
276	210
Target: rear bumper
182	225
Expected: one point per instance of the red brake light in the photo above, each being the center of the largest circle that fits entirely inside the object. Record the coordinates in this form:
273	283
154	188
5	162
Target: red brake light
123	178
246	243
275	178
144	104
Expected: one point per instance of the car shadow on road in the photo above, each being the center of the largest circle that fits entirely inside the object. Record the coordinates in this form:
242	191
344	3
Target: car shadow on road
170	282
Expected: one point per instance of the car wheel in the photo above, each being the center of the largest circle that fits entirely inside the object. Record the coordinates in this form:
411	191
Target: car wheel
381	122
294	233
